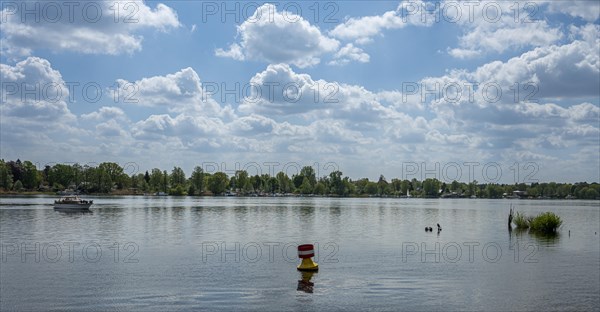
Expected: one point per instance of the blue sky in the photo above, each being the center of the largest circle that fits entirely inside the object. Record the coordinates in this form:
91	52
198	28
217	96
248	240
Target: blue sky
513	87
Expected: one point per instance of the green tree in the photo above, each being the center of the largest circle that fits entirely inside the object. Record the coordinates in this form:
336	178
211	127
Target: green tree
472	188
217	183
78	174
248	188
415	184
192	189
114	172
297	180
589	193
361	186
349	187
177	177
197	180
563	190
493	191
156	179
285	184
31	176
91	179
404	187
5	176
431	187
16	169
551	190
105	184
177	191
257	183
533	191
272	184
309	173
336	183
319	188
305	187
18	186
240	178
60	173
135	181
325	181
143	186
371	188
455	186
382	185
396	186
164	186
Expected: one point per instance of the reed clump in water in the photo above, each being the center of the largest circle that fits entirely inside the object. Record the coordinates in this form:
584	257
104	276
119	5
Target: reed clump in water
546	222
521	221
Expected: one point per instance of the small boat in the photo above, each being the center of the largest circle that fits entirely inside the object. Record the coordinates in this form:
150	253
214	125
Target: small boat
72	202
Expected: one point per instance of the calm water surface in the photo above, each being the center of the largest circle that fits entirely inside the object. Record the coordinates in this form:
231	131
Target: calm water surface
151	253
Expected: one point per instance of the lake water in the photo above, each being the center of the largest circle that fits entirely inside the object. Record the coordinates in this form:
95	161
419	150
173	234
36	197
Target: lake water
171	253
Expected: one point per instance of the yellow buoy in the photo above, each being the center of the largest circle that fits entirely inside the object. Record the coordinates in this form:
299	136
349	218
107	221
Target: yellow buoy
306	252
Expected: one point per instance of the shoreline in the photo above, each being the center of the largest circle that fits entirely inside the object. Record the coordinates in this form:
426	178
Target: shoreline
36	193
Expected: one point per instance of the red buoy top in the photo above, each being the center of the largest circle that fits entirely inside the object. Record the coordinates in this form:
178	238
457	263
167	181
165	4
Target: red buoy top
306	251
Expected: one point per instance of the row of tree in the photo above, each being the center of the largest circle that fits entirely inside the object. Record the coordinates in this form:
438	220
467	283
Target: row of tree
109	177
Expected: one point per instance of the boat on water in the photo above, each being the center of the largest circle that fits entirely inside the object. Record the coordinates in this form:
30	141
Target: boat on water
72	202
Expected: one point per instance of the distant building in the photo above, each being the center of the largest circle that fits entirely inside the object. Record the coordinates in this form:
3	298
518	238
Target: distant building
519	194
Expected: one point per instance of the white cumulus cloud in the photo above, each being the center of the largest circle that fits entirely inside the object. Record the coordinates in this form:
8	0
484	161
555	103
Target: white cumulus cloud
490	26
587	10
350	53
32	89
181	91
89	27
279	37
363	29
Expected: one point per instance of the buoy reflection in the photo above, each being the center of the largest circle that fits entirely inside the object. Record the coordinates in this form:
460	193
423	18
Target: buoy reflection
305	284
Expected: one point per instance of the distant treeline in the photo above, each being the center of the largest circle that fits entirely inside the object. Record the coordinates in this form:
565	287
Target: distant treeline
110	178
